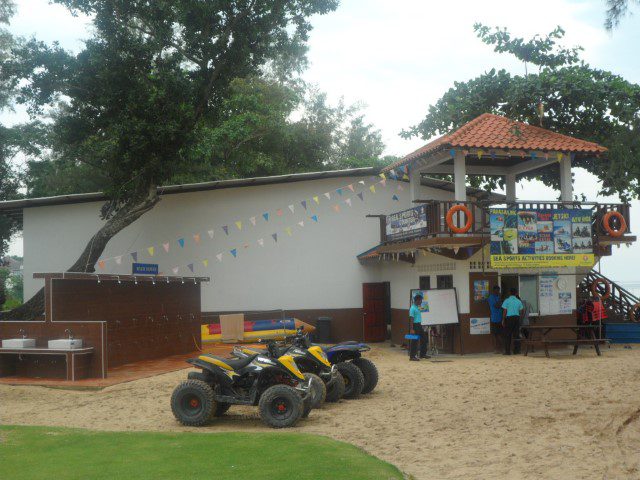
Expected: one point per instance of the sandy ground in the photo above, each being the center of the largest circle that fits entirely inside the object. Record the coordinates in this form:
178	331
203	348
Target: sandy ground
472	417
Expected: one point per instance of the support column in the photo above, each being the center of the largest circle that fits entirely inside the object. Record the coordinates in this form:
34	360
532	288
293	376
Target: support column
460	177
566	186
510	184
414	183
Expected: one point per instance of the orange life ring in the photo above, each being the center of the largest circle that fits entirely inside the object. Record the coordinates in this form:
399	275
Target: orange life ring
633	313
468	215
606	223
607	288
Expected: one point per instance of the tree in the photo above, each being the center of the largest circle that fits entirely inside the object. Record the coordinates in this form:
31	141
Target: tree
134	103
616	11
579	101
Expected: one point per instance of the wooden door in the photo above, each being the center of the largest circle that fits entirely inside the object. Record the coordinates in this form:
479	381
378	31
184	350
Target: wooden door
375	306
481	282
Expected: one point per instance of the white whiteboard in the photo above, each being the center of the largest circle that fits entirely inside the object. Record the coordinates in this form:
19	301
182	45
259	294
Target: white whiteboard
439	307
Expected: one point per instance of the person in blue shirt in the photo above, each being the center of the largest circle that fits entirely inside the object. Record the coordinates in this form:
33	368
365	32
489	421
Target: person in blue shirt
511	309
415	318
495	305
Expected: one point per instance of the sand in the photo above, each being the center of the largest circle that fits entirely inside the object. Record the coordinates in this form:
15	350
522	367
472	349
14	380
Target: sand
472	417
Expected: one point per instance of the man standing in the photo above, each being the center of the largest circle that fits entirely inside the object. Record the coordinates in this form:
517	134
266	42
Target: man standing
495	305
415	317
511	309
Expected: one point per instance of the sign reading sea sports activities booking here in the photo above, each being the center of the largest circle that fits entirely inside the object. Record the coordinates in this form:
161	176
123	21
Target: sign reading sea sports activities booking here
541	238
407	224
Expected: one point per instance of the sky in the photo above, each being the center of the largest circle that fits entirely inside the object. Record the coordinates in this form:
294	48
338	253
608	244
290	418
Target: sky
398	57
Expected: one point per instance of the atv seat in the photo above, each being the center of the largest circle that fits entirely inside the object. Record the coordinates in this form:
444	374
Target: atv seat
228	363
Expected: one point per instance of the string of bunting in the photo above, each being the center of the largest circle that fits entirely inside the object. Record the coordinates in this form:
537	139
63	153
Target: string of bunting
197	238
534	155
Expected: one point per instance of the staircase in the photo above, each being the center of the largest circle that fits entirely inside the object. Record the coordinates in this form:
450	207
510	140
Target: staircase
619	303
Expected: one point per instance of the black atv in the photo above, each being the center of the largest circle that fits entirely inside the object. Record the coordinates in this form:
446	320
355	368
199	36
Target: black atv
327	384
271	382
360	374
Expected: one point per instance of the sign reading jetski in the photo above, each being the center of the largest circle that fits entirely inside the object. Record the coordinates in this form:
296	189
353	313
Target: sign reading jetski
407	224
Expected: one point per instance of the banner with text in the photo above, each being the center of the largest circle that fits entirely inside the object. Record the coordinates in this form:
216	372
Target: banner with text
407	224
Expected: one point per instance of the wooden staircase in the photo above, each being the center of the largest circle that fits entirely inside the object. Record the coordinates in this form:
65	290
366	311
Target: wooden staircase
619	303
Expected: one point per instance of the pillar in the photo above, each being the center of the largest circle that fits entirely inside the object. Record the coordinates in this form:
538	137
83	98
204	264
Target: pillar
566	186
510	184
460	177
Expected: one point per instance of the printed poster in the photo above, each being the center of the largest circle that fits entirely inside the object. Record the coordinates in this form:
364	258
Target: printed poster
480	290
479	326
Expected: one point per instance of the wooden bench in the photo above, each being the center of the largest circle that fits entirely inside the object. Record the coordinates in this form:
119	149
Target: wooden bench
576	341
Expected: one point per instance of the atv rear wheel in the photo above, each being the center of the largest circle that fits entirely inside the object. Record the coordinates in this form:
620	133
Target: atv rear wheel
281	406
370	372
192	403
335	391
353	379
318	389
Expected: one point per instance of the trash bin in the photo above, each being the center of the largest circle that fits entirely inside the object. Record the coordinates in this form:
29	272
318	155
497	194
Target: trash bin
323	330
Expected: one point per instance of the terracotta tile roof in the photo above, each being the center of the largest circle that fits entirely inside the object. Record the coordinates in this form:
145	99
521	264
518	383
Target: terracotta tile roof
495	132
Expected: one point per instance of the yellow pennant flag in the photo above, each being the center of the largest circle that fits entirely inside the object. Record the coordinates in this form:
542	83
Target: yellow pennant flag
317	200
480	153
205	262
288	230
372	188
559	156
239	225
382	175
151	250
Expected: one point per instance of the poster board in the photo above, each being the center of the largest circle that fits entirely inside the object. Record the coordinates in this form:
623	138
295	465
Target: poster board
479	326
555	295
541	238
410	223
439	307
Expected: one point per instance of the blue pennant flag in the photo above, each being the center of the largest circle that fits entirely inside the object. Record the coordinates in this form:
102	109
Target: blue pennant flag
226	229
304	204
275	237
361	196
339	190
234	252
134	255
493	155
452	152
395	197
181	242
314	218
266	216
190	267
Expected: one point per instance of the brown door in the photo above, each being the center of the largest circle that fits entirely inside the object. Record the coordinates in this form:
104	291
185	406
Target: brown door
480	286
375	306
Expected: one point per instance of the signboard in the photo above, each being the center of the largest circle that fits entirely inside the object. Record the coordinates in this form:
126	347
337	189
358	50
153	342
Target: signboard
479	326
541	238
480	290
407	224
555	294
439	307
144	269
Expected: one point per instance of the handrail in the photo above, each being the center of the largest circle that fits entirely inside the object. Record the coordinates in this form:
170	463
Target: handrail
620	302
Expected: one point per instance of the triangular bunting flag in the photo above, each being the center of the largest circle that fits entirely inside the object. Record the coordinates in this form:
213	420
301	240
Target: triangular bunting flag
190	267
292	208
166	247
456	250
361	182
361	196
234	252
383	176
261	242
400	187
493	155
196	238
383	183
533	155
301	223
118	259
219	257
395	197
205	262
337	208
314	218
211	233
253	221
348	201
372	188
452	152
317	200
101	264
239	225
350	187
265	216
392	173
328	195
175	270
339	190
406	177
480	153
559	156
246	245
134	255
226	229
279	212
181	242
151	250
405	168
304	204
275	237
288	230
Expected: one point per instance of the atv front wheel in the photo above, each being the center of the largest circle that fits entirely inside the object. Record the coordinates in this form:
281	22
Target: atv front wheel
318	390
353	379
192	403
370	372
335	391
281	406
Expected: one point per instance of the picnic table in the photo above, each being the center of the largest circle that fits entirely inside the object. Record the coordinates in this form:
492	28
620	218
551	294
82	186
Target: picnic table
542	332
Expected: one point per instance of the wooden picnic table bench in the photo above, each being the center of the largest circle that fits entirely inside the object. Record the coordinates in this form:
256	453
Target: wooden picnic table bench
542	331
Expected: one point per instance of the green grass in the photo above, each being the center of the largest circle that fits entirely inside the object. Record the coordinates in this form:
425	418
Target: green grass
36	453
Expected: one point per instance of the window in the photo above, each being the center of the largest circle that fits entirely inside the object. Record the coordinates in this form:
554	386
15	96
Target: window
529	291
444	281
425	283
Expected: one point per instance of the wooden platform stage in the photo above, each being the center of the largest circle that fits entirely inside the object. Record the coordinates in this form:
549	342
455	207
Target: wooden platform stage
124	373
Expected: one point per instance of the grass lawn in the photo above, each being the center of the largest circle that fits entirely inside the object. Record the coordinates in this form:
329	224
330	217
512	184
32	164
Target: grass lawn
36	453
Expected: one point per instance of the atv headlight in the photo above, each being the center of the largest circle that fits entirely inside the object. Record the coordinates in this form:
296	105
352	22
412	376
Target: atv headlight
319	354
290	364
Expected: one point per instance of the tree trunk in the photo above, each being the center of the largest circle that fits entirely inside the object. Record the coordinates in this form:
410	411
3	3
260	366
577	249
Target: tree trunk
124	217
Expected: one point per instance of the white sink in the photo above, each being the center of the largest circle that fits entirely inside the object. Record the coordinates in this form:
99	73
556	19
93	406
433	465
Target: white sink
65	343
19	343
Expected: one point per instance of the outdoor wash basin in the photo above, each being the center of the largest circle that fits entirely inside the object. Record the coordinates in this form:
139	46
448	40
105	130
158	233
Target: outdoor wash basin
65	343
19	343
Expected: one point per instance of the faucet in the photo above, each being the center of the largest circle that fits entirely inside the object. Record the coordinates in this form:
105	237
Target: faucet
22	332
69	332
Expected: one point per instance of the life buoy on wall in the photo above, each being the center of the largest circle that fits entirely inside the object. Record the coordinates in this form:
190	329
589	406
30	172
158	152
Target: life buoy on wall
607	288
468	215
606	223
633	313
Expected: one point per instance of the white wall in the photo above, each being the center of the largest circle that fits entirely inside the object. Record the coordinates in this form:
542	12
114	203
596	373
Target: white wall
314	268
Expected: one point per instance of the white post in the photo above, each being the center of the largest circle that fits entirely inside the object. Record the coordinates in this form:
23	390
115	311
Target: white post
566	187
510	181
460	177
414	183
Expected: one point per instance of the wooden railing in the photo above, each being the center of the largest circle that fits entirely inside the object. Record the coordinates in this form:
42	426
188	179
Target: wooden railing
620	302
